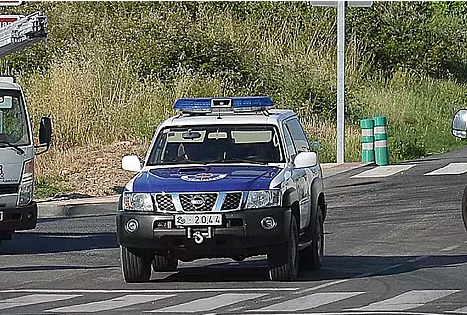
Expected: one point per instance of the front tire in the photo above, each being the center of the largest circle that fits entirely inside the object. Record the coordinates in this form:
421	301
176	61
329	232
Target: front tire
136	264
312	257
283	258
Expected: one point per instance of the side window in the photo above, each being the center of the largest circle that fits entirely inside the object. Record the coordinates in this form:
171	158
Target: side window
291	153
299	138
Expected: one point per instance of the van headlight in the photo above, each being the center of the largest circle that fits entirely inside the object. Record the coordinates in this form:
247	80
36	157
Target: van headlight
26	188
137	202
263	198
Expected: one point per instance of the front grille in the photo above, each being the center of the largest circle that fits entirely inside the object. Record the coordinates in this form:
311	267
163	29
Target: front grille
164	202
192	202
232	201
9	189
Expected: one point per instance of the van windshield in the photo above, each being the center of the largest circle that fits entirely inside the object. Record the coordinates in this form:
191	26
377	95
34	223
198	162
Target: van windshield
13	120
217	144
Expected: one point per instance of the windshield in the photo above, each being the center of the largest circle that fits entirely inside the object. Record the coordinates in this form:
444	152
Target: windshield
217	144
13	122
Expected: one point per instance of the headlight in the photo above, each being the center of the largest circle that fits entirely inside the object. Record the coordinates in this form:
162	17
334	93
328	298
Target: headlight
137	202
26	189
263	198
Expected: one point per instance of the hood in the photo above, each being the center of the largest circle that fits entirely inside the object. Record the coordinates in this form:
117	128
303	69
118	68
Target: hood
209	178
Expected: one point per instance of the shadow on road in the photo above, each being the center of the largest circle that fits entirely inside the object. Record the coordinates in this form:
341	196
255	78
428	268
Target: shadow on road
52	268
42	243
334	268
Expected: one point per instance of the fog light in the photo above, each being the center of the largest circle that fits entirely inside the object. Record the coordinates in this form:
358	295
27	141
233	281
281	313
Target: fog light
268	223
131	226
30	216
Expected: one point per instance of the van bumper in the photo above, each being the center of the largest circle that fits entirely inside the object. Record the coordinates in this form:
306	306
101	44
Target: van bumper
18	218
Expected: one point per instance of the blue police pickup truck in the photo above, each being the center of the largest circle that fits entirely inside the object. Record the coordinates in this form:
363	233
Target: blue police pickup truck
226	177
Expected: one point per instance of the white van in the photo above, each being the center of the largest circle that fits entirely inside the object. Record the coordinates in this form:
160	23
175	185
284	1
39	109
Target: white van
18	211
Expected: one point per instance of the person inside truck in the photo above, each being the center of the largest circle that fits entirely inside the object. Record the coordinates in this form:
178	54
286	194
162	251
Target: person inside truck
12	127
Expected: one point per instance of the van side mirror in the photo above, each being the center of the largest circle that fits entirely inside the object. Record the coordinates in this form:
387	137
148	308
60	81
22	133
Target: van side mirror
459	124
45	134
45	131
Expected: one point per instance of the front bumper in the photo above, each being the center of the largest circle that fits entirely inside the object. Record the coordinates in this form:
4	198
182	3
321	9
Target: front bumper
18	218
240	235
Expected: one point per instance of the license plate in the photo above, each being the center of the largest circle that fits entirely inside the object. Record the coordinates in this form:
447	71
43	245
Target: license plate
198	219
1	215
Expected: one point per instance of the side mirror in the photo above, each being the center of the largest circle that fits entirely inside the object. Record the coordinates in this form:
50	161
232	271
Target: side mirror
45	135
306	159
459	124
131	163
45	131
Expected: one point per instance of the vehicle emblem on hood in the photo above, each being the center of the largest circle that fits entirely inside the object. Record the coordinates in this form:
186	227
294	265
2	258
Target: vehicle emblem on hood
203	177
197	202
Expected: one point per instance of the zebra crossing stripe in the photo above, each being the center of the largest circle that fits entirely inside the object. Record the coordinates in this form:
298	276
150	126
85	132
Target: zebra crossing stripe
211	303
383	171
405	301
462	310
450	169
309	301
34	299
119	302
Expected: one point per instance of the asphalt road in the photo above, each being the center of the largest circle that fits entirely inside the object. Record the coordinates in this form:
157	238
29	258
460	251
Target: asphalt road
394	244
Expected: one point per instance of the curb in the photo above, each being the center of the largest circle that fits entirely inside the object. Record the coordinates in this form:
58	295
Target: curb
332	169
77	207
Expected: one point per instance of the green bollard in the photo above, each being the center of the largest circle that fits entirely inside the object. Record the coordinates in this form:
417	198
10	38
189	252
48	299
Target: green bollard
368	152
381	140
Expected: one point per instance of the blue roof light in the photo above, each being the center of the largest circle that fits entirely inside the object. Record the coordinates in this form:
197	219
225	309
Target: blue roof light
237	104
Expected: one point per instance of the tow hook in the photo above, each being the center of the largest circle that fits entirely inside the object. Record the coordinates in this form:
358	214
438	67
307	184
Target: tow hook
199	236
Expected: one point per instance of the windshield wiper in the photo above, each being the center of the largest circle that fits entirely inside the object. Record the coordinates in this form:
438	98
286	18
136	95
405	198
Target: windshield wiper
239	160
9	145
185	162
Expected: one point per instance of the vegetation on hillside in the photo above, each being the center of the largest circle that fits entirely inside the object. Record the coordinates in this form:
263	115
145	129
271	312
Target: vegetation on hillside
110	71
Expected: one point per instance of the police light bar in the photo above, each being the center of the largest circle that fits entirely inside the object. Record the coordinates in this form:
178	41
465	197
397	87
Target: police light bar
236	104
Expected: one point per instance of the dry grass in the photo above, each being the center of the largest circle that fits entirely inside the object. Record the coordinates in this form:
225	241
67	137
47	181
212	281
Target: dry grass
87	171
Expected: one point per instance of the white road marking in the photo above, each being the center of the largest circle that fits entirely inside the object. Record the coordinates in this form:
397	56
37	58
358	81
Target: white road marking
169	291
383	171
462	310
106	305
325	285
447	249
405	301
209	304
309	301
450	169
34	299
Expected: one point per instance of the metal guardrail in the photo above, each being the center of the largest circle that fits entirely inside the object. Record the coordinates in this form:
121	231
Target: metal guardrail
23	33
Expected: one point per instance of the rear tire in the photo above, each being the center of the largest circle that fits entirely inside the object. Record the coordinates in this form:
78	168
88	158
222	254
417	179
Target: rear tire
136	264
464	207
311	258
283	258
164	263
